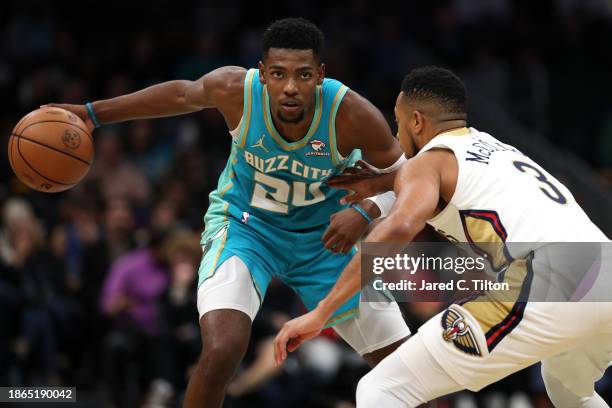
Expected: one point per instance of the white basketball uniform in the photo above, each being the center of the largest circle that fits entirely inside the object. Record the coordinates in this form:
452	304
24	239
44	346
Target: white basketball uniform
504	197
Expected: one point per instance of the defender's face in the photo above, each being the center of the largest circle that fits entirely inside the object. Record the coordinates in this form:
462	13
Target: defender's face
404	131
291	77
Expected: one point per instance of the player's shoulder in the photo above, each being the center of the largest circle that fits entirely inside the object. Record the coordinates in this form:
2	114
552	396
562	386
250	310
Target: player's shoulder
227	78
224	87
437	156
332	85
357	113
358	105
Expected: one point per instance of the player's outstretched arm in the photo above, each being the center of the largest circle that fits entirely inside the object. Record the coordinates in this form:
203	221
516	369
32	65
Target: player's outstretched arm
221	89
417	186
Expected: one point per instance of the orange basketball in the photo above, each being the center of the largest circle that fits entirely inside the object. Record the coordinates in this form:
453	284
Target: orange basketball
50	149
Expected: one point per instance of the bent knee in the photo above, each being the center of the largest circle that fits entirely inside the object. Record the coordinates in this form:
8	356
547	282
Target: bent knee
561	395
369	394
221	353
374	390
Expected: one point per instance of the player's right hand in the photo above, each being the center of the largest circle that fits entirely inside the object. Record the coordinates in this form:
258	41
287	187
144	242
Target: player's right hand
79	110
297	331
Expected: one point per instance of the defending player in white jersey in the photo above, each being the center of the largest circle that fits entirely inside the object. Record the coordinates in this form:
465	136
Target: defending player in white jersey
473	188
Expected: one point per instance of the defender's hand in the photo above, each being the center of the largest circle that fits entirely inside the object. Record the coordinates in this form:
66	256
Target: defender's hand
345	228
297	331
79	110
363	182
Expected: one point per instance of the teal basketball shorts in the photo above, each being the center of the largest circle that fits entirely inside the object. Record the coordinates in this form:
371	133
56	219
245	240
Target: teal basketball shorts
298	259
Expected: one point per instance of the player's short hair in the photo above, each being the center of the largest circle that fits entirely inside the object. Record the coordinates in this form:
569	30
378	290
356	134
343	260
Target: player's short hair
438	85
294	33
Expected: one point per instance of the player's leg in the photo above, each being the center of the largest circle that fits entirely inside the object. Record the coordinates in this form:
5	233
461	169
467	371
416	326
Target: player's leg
225	337
563	397
409	377
227	304
229	296
453	352
569	377
481	342
377	332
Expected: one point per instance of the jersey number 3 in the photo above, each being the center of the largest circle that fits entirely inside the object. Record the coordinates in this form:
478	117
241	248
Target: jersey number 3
278	199
551	191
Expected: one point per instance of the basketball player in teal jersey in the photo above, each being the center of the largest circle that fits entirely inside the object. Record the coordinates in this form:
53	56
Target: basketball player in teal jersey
270	215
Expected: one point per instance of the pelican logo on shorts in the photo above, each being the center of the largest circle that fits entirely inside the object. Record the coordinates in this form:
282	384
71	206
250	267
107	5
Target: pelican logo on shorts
458	331
71	139
317	147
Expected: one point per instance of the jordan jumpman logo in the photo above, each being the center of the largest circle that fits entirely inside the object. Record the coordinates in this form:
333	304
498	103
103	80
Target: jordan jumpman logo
260	144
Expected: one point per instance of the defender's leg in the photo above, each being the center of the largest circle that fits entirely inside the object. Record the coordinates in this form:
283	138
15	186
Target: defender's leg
377	332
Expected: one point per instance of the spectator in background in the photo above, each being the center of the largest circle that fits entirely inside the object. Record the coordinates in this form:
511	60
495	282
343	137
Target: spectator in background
96	240
9	316
16	212
178	342
38	283
116	175
150	155
10	291
130	298
164	215
95	235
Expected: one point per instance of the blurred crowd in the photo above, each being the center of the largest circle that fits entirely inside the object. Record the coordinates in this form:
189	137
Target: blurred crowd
97	285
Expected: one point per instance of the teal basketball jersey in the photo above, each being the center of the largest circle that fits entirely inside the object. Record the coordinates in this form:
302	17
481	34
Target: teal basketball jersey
280	182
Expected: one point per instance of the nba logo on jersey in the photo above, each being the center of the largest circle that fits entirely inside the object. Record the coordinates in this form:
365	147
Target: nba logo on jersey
245	217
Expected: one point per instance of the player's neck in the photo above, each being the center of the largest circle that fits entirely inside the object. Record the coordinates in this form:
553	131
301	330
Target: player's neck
448	126
438	129
293	132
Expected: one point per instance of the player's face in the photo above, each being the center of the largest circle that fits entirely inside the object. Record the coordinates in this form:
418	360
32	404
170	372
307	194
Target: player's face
291	77
404	131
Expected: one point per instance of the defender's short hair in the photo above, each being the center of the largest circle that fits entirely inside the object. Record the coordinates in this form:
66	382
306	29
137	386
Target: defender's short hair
295	34
438	85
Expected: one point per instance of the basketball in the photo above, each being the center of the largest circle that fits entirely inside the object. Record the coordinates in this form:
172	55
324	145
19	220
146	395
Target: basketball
50	149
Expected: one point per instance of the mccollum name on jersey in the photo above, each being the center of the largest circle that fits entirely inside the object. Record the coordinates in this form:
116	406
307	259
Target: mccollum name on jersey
481	150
